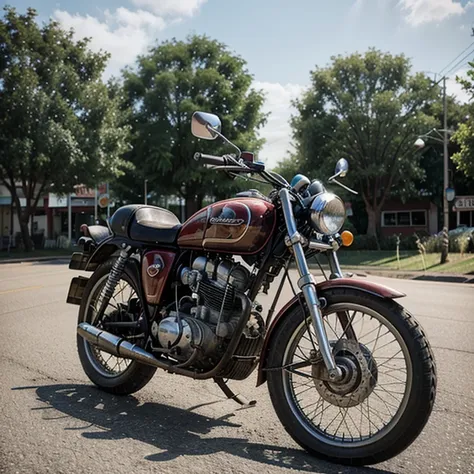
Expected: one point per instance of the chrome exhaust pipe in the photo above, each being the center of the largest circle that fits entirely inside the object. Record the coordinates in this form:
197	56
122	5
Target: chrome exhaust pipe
117	346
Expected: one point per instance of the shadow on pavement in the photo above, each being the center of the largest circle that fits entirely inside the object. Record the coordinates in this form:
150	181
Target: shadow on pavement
174	431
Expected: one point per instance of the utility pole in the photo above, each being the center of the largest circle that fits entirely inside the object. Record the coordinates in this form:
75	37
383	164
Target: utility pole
444	252
445	242
108	201
69	218
146	191
95	205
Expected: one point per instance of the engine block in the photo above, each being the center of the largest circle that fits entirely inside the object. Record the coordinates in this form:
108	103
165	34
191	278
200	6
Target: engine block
215	312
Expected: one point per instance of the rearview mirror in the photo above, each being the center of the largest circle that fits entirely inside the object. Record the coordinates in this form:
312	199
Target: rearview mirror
204	124
342	167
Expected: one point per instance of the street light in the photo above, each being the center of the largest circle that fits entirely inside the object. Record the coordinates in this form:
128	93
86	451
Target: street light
440	136
419	143
443	138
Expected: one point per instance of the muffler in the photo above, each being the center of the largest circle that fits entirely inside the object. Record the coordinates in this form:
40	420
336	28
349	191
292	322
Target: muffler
117	346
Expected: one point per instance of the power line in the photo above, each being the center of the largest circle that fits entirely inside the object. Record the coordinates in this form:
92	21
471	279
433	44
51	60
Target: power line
456	66
462	52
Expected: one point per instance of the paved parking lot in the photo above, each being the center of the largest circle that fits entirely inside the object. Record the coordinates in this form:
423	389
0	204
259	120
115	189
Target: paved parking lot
53	420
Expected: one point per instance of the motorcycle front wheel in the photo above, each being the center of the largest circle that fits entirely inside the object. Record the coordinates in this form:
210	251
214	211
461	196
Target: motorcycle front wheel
386	396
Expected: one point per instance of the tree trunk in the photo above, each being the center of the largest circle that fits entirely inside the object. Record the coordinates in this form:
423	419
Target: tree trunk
373	226
372	222
191	206
199	199
23	218
25	233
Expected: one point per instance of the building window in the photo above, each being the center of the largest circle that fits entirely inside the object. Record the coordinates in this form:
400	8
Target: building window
403	218
418	218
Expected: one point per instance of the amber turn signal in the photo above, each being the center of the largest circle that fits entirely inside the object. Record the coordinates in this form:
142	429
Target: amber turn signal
347	238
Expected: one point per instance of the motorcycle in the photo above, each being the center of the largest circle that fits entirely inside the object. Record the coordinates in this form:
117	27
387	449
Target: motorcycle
350	372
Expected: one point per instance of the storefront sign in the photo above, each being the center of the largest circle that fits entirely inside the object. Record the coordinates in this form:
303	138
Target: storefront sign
464	203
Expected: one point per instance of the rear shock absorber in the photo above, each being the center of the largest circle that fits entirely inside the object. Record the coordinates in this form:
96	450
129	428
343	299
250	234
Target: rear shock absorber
112	280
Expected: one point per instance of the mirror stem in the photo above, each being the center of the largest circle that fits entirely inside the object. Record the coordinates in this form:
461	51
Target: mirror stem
219	134
335	176
343	186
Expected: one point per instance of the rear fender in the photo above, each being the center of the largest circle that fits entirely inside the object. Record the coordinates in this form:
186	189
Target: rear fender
78	284
89	260
374	289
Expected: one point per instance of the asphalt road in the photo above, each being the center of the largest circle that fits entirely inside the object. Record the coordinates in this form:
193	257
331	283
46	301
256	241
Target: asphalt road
52	420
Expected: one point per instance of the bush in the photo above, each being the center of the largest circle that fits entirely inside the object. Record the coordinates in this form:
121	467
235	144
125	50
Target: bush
364	242
458	243
433	244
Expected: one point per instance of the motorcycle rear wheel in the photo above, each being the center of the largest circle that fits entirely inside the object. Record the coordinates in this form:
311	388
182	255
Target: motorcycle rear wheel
112	374
398	376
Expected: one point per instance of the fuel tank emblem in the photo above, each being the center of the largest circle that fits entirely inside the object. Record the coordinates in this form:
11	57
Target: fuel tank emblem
227	217
155	268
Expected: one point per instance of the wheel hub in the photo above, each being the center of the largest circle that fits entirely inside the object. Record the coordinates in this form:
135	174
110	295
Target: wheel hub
359	375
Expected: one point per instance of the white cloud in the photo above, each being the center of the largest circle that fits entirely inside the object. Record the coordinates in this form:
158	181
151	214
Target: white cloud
126	33
277	131
454	88
123	33
429	11
171	7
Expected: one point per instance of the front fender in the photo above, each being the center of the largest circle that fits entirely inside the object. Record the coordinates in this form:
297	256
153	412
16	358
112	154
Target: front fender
362	285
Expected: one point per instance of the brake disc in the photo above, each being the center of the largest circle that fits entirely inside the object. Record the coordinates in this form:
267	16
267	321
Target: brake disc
359	375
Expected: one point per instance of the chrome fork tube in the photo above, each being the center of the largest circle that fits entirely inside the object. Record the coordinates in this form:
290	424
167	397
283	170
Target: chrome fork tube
308	286
333	261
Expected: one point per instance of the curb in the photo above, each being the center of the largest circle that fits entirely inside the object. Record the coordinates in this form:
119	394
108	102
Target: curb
34	259
447	278
387	273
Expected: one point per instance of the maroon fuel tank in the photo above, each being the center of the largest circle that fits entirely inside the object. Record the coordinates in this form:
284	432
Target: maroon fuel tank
237	226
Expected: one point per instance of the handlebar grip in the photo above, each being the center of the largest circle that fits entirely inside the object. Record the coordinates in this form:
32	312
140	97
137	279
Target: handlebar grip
210	159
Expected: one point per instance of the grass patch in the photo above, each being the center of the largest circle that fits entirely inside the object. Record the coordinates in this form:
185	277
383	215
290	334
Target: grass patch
409	260
4	255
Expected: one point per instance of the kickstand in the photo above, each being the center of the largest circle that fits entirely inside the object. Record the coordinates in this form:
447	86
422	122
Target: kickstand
240	399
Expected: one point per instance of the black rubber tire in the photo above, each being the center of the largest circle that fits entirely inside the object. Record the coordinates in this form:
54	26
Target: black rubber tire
420	400
137	375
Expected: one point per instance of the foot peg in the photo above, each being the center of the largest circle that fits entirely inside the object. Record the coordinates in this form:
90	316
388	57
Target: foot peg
240	399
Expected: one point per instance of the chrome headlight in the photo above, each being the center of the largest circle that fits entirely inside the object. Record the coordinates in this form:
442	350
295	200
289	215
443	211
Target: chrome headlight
327	213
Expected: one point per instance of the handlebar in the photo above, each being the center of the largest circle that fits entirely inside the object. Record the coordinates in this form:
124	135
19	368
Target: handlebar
226	163
212	159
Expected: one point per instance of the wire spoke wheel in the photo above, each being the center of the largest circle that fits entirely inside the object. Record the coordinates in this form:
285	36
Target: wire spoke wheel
124	317
367	403
388	385
121	308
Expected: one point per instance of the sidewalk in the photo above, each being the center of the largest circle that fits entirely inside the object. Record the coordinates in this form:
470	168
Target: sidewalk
405	275
35	259
413	275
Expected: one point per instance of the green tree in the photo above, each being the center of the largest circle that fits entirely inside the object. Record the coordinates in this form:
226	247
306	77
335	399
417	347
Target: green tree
464	135
369	109
175	79
59	123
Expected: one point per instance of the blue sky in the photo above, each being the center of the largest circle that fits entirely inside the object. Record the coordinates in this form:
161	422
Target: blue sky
280	40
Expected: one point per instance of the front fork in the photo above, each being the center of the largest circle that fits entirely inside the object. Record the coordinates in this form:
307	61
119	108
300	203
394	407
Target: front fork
307	285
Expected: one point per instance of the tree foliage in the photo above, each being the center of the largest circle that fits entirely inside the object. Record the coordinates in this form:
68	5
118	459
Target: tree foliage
174	80
464	135
59	123
369	109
